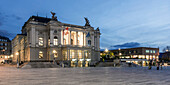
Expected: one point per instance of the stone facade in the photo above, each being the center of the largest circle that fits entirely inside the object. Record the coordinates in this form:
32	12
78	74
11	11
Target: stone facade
5	48
47	39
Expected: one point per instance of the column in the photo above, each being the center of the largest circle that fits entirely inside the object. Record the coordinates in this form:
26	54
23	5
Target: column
63	37
59	37
83	38
92	42
51	37
76	38
67	54
32	37
70	37
36	39
45	39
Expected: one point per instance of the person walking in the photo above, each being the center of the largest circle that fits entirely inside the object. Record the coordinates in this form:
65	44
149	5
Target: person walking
150	64
162	63
158	63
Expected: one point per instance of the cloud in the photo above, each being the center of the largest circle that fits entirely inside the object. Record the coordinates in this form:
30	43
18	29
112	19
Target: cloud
7	34
127	45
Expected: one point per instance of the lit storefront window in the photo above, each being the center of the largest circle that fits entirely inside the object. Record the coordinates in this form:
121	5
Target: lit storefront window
72	52
65	54
55	53
79	52
40	54
41	41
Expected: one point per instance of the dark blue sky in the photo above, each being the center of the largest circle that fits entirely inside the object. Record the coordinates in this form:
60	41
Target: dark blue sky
146	22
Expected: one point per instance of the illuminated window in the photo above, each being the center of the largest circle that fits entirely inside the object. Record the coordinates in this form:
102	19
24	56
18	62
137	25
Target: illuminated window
150	51
55	40
49	42
86	54
154	51
79	54
73	38
55	55
72	52
147	51
89	42
80	38
41	41
40	54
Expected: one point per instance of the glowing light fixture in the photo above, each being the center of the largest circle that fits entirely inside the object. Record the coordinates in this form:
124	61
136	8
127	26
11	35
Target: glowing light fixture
17	53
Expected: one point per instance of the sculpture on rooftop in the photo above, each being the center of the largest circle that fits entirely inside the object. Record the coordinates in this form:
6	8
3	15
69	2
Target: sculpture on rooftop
87	21
53	16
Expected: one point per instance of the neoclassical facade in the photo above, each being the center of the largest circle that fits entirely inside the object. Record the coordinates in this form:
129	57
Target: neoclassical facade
47	39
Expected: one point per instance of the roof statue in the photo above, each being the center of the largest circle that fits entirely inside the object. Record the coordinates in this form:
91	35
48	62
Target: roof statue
98	29
53	16
87	22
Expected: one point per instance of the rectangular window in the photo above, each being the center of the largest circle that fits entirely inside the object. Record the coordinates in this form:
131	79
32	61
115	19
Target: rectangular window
72	52
150	51
40	54
154	51
48	42
147	51
41	41
79	52
55	41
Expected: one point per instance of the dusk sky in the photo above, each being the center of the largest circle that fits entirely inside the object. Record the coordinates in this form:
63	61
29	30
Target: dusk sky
123	23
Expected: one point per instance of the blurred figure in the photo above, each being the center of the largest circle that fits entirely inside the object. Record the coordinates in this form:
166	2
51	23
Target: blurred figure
150	64
158	63
162	63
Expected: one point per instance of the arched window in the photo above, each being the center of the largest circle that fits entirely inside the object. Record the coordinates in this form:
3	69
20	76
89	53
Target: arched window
55	40
40	54
89	42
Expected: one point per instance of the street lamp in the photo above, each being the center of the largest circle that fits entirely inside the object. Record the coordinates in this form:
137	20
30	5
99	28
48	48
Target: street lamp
17	59
106	50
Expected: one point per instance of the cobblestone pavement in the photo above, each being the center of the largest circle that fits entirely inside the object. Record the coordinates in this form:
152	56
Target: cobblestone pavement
84	76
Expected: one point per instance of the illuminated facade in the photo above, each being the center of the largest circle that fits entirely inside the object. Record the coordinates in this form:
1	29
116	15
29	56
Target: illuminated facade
137	55
46	39
5	48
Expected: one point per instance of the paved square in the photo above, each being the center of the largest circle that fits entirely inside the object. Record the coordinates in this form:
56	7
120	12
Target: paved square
84	76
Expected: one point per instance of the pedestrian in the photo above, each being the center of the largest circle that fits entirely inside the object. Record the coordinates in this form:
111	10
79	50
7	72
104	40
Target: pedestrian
150	64
158	63
54	61
162	63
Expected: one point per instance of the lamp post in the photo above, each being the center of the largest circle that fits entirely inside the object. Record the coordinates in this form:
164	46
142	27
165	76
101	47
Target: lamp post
106	50
120	53
17	60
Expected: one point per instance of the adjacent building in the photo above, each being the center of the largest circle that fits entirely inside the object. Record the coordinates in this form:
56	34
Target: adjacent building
47	39
137	55
5	48
165	56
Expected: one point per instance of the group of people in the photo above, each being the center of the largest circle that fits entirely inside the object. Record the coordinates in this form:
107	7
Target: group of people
158	64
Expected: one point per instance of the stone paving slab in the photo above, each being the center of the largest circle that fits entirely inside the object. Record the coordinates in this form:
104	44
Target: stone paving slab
84	76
